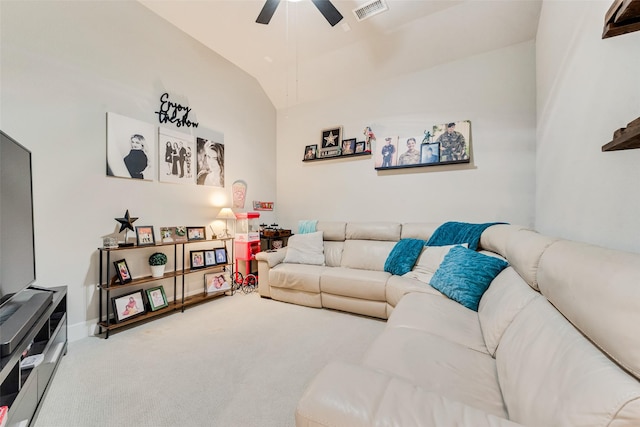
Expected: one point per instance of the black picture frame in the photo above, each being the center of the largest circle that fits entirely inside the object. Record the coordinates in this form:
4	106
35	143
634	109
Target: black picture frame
430	153
145	235
209	258
330	142
128	306
348	147
310	152
157	298
122	271
359	147
196	259
196	233
221	256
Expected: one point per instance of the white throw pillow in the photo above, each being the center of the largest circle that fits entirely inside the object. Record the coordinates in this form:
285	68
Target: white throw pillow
305	249
429	261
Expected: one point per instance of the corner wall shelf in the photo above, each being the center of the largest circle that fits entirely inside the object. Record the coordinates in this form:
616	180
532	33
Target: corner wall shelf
625	138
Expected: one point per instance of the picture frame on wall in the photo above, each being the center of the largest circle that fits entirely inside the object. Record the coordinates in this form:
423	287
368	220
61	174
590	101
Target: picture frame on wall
454	139
128	306
176	156
130	148
217	282
145	235
196	233
330	142
430	153
348	147
122	271
196	259
310	152
157	298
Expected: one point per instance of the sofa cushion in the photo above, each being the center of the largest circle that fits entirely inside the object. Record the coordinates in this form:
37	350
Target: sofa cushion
524	249
506	296
464	275
332	230
373	231
428	262
437	364
418	230
445	318
551	375
366	254
399	286
403	256
305	248
363	284
302	277
333	253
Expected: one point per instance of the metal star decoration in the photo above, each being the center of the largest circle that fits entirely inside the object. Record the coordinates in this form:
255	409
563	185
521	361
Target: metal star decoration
126	222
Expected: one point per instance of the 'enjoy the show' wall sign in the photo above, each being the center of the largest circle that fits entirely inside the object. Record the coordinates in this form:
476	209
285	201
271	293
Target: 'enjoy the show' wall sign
174	113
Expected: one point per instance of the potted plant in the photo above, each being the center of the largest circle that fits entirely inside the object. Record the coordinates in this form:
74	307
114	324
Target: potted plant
157	261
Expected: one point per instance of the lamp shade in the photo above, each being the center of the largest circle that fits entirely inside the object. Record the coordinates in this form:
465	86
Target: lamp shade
226	213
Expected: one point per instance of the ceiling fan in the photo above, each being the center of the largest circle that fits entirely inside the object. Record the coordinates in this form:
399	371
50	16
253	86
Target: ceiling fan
325	7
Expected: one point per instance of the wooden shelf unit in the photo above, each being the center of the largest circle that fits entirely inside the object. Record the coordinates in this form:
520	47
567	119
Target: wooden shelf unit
108	283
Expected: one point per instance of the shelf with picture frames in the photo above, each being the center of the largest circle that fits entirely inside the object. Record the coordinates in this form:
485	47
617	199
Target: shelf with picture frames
109	282
342	156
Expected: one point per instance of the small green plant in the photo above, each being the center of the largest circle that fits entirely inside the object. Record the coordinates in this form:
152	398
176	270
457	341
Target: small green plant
158	258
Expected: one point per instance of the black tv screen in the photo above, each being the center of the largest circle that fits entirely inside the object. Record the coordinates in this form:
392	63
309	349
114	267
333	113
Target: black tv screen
17	251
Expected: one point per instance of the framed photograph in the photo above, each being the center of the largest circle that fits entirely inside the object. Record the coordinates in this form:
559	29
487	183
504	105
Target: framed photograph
196	259
454	139
157	298
130	148
176	155
310	152
196	233
209	258
348	146
387	152
128	306
145	236
210	162
122	271
430	153
221	255
360	147
217	282
330	142
409	151
180	234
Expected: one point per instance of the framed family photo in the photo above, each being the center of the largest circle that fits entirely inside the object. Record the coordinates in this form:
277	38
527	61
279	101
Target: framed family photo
348	147
145	235
176	155
310	152
360	147
122	271
197	259
130	148
157	298
196	233
221	255
217	282
128	306
209	258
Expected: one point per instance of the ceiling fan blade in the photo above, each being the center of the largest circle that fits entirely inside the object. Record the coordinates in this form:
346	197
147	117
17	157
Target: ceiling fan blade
267	11
329	11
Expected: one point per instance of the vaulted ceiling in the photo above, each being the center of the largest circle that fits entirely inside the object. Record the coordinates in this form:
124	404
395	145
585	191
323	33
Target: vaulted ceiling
298	57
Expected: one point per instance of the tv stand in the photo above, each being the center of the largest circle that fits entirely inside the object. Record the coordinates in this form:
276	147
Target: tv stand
23	389
25	308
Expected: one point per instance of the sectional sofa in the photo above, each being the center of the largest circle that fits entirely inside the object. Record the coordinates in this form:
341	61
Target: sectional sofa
553	341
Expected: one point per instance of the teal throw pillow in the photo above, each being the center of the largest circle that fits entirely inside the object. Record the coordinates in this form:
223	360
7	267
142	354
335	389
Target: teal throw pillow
464	275
403	256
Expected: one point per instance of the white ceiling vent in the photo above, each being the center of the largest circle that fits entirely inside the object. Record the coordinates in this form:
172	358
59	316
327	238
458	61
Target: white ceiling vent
370	9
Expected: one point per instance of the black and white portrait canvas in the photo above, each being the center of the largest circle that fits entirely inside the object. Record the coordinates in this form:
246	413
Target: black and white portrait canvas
210	163
176	154
130	148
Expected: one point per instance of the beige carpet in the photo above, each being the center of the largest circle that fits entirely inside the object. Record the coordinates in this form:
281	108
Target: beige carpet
234	361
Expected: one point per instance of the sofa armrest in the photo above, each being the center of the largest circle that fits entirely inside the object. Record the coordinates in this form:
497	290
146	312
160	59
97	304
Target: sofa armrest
351	395
266	261
272	258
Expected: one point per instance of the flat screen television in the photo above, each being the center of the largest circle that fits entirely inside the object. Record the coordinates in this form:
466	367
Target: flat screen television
19	307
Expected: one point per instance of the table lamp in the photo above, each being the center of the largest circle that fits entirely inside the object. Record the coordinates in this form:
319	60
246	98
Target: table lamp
226	214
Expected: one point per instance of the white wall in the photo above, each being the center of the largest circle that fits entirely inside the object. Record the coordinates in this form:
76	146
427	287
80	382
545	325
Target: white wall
64	65
587	88
495	91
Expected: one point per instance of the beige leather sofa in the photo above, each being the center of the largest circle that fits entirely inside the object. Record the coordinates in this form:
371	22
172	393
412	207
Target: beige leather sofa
555	342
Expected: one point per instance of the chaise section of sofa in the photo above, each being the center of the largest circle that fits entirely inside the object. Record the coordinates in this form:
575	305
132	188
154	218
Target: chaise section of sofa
555	342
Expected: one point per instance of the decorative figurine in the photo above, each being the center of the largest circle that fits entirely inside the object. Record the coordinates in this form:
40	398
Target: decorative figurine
427	137
368	137
126	224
